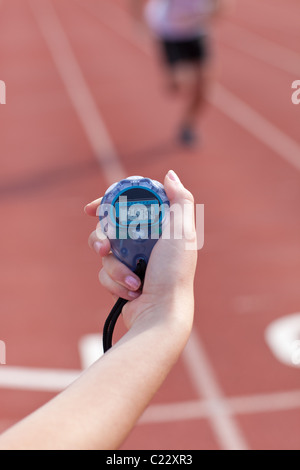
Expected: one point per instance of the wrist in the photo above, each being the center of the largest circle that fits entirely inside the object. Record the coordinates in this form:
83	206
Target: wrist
172	313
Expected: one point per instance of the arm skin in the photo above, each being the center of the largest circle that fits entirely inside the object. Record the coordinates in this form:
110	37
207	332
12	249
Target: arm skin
99	409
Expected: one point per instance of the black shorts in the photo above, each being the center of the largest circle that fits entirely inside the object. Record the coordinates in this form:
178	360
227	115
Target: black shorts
190	50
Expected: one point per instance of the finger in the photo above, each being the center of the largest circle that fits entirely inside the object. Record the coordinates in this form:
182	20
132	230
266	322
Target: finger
182	202
116	289
177	248
100	245
175	190
97	234
120	273
91	208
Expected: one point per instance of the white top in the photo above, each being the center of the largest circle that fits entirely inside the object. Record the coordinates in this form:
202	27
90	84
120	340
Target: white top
179	19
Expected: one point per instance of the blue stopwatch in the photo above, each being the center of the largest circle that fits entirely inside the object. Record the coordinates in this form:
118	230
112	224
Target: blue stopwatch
132	214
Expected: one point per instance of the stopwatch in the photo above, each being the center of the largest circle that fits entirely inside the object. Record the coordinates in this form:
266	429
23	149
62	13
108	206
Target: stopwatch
131	214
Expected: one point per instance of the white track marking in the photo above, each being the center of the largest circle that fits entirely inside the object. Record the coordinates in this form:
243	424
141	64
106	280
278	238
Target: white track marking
56	380
201	409
78	89
51	380
277	401
90	349
283	338
266	132
261	48
27	378
205	382
181	411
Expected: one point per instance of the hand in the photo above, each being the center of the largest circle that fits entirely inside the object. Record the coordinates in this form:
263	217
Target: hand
168	288
119	386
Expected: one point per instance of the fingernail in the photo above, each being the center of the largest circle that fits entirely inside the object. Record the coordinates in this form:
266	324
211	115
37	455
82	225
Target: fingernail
134	295
132	282
173	176
97	247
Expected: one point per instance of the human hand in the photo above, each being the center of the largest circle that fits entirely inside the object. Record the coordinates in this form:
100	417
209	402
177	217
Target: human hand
119	386
168	286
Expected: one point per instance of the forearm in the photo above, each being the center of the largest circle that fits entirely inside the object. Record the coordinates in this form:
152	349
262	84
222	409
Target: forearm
101	407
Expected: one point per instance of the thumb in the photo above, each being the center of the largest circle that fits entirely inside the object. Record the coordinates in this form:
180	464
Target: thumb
177	248
182	222
175	190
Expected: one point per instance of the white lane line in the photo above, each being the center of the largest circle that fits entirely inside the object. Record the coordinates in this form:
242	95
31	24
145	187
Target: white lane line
264	131
283	338
90	349
56	380
78	89
261	48
205	382
26	378
201	409
179	411
51	380
263	403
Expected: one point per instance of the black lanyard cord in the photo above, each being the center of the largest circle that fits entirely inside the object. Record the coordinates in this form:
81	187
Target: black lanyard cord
116	311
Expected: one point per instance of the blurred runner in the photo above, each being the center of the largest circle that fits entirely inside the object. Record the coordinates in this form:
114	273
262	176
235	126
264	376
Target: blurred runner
182	29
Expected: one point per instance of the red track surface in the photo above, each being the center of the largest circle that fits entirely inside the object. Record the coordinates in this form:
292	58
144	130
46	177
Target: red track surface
228	390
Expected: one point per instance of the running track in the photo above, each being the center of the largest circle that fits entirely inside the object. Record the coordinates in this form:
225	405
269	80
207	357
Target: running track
85	107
